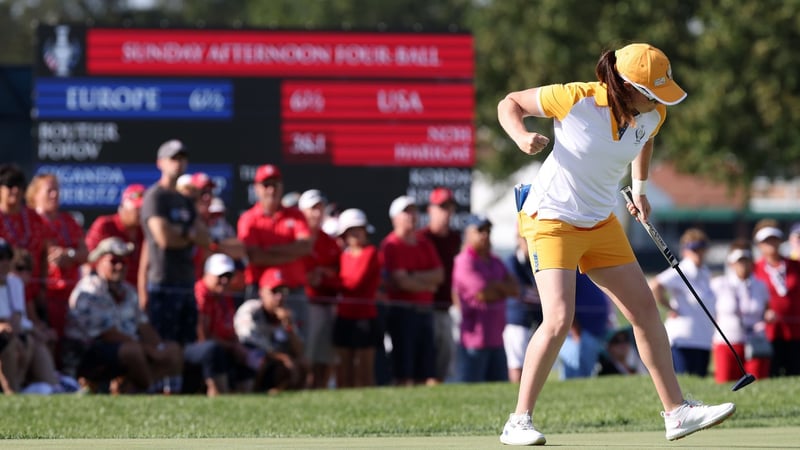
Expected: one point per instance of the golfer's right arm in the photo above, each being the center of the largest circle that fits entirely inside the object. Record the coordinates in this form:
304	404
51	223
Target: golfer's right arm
512	110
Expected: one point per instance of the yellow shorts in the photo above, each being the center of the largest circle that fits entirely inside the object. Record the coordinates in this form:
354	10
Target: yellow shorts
554	244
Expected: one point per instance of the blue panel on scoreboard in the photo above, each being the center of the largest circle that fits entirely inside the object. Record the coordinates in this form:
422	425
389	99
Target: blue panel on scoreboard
132	98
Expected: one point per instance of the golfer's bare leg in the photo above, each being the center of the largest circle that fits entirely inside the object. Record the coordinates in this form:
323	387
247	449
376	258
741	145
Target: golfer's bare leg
627	287
557	293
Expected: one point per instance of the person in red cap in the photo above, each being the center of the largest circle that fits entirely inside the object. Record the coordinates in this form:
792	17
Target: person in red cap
123	224
278	237
447	241
566	214
267	328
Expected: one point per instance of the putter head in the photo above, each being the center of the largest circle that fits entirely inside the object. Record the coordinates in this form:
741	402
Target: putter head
747	379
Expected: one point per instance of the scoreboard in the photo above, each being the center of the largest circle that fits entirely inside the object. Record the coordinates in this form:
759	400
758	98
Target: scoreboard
362	116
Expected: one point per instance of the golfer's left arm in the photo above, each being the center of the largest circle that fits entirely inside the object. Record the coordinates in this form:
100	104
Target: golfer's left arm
640	170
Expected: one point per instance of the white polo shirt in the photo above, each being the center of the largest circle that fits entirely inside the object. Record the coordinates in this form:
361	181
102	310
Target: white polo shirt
578	182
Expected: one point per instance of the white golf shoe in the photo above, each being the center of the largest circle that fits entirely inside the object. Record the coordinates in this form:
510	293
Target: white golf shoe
519	431
694	416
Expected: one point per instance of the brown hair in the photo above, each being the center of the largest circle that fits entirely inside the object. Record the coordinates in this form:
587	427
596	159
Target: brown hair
741	244
693	235
35	185
618	94
765	223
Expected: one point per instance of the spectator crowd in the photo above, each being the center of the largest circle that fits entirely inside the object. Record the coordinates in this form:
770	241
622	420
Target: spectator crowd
166	296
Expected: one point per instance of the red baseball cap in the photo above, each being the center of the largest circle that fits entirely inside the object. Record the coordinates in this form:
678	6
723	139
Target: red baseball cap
441	195
266	172
201	181
271	278
134	193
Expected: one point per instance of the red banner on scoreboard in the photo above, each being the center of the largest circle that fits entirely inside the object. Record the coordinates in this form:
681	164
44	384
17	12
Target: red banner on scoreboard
377	101
344	144
278	53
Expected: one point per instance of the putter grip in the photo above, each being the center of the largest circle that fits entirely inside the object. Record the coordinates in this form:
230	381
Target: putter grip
651	230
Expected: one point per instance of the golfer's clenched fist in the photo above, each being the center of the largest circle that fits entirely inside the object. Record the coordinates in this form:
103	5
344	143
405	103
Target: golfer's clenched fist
532	143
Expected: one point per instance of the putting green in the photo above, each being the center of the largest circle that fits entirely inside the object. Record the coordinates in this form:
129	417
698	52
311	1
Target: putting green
723	438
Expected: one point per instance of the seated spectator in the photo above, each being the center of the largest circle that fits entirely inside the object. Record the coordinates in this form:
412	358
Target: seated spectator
579	354
355	329
108	336
125	225
620	356
25	356
581	350
217	350
267	328
11	348
481	285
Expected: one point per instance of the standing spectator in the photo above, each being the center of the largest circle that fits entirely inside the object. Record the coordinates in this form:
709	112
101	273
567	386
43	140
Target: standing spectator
782	276
222	236
276	236
266	327
224	240
28	235
414	273
217	350
741	303
108	336
794	242
523	311
171	229
124	224
322	269
355	329
688	328
66	253
441	207
481	283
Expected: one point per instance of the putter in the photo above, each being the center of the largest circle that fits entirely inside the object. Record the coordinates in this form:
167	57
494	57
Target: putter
746	378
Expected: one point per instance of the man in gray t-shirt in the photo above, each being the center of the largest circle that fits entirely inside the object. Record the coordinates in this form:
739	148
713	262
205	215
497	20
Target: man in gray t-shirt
171	231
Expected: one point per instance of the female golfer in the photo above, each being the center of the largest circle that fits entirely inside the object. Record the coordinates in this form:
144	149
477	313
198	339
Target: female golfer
600	127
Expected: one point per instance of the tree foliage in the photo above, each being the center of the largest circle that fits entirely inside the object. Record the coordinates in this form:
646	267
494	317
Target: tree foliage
736	58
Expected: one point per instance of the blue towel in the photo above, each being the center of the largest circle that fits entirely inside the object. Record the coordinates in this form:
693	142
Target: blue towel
521	192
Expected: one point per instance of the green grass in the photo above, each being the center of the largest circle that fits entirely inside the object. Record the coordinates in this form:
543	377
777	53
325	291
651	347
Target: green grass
609	404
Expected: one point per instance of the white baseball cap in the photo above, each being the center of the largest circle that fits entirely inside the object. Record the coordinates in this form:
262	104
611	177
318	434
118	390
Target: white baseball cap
216	206
768	232
400	204
350	218
310	199
184	180
218	264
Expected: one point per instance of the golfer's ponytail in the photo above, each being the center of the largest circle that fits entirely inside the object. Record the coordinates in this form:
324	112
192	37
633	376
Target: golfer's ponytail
618	97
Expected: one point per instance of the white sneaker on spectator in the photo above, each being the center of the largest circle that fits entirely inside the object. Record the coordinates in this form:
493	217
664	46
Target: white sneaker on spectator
519	431
694	416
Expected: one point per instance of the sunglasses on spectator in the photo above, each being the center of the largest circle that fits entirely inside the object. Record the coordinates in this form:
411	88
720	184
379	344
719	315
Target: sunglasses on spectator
119	260
283	291
23	268
225	276
271	183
